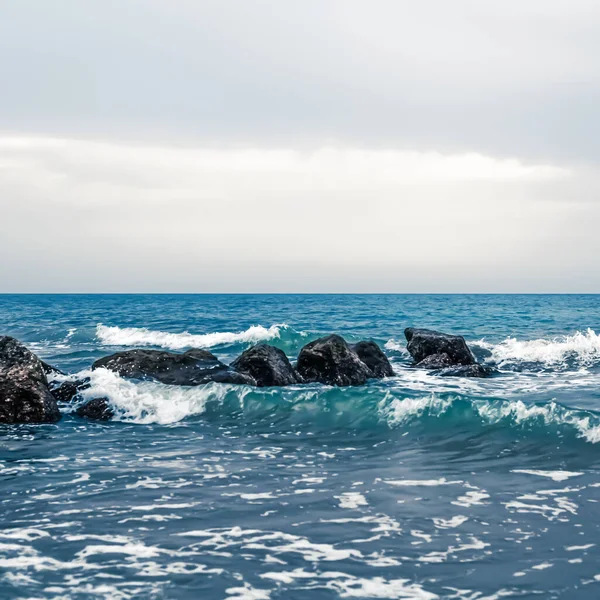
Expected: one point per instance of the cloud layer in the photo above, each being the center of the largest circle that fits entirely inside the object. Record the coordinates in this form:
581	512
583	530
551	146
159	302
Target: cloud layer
106	216
323	145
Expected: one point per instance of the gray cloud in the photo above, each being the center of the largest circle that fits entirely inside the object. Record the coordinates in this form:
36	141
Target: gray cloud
509	78
225	145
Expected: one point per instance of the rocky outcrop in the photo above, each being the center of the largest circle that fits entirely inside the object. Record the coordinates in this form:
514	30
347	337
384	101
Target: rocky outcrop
424	343
267	365
372	355
447	354
67	391
193	367
98	409
24	393
332	361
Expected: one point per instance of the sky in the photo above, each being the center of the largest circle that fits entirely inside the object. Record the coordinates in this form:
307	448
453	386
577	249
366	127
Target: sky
314	146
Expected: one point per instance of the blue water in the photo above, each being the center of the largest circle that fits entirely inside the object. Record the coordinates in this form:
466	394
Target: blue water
412	487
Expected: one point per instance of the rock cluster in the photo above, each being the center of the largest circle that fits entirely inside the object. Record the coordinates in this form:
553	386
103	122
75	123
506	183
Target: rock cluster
26	396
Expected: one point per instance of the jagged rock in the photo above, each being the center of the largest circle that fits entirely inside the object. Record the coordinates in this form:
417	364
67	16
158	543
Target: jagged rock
372	355
267	365
96	408
49	369
330	360
436	361
423	343
67	391
193	367
24	393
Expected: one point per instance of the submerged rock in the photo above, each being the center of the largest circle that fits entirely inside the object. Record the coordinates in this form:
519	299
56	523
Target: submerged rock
193	367
372	355
96	408
475	370
24	393
423	343
332	361
436	361
267	365
67	391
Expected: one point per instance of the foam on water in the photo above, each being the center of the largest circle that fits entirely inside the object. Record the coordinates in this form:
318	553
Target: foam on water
583	348
321	406
150	402
140	336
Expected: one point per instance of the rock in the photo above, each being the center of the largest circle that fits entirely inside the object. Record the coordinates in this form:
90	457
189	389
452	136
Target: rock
67	391
96	408
49	369
372	355
193	367
24	393
475	370
435	361
267	365
331	361
423	343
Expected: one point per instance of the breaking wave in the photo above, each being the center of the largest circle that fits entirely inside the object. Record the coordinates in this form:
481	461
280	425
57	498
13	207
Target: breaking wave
328	408
580	349
140	336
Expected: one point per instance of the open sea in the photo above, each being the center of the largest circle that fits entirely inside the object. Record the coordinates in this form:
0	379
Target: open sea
417	486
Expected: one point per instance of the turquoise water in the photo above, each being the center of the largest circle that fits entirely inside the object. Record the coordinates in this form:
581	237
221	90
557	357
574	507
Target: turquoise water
412	487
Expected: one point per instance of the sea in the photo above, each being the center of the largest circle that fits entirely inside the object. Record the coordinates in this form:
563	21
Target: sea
414	487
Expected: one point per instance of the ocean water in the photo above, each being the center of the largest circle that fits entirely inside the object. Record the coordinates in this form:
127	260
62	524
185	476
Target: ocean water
416	487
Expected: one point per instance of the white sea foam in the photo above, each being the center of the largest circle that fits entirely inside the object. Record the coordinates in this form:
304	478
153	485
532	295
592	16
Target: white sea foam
554	475
351	500
150	402
400	411
582	347
140	336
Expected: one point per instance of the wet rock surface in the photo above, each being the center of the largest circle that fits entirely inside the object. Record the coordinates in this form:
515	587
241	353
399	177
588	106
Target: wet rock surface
330	360
193	367
24	393
267	365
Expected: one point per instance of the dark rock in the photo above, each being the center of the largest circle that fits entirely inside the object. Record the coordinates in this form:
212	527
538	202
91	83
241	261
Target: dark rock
193	367
372	355
49	369
331	361
267	365
96	408
67	391
424	342
436	361
475	370
24	393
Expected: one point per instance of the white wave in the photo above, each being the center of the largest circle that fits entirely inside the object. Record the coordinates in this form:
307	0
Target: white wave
584	347
150	402
403	410
396	346
140	336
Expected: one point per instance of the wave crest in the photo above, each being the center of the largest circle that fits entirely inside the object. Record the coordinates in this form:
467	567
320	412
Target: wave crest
508	413
326	408
141	336
581	349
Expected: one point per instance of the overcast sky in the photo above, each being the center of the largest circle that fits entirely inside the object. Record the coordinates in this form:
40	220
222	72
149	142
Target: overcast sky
321	145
